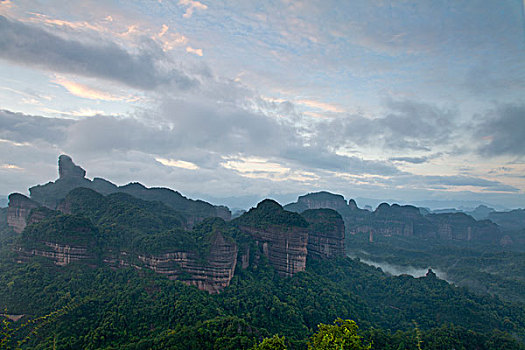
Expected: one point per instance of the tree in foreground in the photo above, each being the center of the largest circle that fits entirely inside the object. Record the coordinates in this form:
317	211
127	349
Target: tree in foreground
273	343
342	335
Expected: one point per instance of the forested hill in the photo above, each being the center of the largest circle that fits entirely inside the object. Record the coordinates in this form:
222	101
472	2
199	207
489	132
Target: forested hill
116	271
115	300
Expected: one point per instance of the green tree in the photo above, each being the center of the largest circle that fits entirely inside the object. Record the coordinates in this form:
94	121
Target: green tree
273	343
342	335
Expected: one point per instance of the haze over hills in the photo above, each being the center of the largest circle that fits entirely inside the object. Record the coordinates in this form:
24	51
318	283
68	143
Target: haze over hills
262	175
271	270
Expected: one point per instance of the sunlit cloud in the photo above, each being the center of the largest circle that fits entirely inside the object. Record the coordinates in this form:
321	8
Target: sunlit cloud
320	106
191	6
41	18
169	40
261	168
197	52
10	167
177	163
84	91
14	143
5	6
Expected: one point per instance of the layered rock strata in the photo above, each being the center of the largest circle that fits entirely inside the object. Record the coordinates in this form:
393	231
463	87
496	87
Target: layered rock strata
211	275
281	235
18	211
326	233
61	254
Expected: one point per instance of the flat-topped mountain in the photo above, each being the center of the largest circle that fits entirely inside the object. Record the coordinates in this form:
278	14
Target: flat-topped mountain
282	235
406	220
72	176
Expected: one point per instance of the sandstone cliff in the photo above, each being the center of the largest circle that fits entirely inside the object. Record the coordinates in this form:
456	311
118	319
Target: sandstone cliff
62	238
396	220
326	233
281	235
211	274
18	211
351	214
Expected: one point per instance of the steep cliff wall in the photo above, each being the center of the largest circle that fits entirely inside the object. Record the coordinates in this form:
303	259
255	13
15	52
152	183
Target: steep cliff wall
212	273
326	233
396	220
61	254
281	235
18	211
351	214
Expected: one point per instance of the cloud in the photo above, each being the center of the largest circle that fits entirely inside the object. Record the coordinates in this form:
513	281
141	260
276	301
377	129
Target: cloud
25	44
85	91
413	160
22	130
177	163
10	167
320	105
454	182
191	6
406	125
197	52
502	131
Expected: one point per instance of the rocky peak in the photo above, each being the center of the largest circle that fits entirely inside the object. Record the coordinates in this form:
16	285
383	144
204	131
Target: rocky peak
68	169
352	205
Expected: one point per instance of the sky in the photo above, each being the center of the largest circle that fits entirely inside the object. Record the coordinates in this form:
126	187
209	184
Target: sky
235	101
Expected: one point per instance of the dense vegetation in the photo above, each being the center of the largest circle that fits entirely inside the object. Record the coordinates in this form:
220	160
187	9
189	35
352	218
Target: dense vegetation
130	308
269	212
484	268
94	306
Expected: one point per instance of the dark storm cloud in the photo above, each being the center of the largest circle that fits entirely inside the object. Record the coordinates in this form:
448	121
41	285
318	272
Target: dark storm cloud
502	131
29	45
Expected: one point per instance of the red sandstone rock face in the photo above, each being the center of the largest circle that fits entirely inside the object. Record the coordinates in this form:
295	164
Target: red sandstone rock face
212	275
285	247
18	211
326	233
61	254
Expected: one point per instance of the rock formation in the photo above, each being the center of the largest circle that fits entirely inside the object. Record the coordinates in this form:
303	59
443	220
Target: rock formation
61	254
212	275
62	238
318	200
509	220
351	214
460	226
326	233
72	176
18	211
397	220
281	235
68	169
